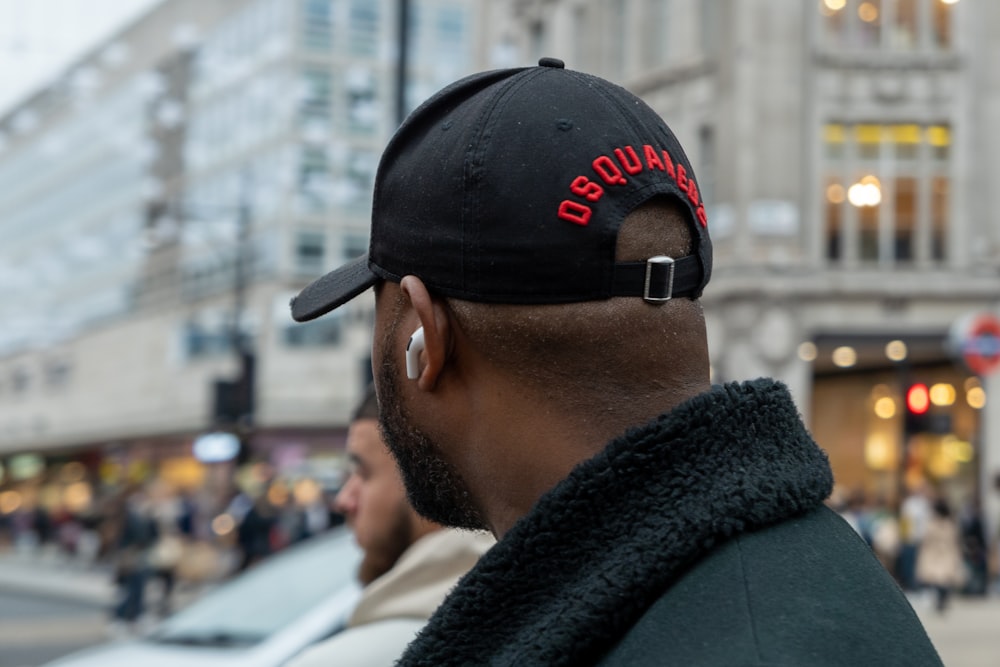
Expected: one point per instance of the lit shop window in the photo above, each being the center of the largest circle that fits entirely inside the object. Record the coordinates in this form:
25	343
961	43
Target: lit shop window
886	192
890	25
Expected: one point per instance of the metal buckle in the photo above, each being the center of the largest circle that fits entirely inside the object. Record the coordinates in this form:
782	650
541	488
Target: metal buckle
659	259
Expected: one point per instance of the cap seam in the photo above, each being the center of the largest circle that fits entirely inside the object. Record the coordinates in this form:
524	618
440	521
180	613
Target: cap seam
477	152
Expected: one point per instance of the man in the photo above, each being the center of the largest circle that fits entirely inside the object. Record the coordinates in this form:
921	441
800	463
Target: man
409	563
538	247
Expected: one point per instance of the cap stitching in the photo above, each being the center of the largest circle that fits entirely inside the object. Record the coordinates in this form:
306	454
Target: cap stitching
476	161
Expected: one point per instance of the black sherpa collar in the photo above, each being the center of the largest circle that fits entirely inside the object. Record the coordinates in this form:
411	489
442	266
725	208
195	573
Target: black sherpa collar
570	578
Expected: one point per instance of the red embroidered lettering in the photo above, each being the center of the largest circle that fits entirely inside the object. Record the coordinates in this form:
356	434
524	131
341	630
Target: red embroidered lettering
702	218
652	159
629	160
586	188
693	193
669	165
682	178
608	171
574	212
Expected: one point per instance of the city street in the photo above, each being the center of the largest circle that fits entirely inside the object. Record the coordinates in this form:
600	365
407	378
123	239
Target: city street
35	629
966	635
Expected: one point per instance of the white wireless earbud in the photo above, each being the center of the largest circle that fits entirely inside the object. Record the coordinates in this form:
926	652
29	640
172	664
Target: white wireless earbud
413	349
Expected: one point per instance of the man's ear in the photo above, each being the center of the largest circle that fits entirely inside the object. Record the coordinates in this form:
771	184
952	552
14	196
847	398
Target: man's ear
433	316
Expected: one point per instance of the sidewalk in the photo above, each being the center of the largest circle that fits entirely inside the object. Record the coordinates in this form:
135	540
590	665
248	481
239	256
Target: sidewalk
50	575
966	636
58	576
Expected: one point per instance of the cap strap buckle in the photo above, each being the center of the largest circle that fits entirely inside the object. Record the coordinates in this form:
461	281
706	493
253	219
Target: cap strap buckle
659	277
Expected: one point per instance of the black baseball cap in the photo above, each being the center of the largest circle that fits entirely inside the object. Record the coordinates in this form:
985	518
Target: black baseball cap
510	186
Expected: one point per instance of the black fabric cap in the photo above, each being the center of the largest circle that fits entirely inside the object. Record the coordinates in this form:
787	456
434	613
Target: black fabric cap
510	186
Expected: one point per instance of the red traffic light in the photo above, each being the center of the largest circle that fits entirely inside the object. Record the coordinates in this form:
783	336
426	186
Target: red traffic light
918	399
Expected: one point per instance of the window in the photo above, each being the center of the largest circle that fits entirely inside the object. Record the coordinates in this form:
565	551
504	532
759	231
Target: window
57	372
886	192
20	381
317	25
354	246
537	40
315	95
314	179
202	341
310	252
326	330
360	174
361	104
363	28
889	25
616	28
583	47
452	32
708	24
655	33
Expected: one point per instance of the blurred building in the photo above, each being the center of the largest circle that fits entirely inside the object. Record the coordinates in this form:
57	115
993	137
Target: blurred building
159	206
845	151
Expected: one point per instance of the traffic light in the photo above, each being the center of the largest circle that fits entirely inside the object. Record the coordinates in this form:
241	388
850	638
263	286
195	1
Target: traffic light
919	416
918	399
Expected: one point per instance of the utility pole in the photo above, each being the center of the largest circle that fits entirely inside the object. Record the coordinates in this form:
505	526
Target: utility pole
402	62
234	399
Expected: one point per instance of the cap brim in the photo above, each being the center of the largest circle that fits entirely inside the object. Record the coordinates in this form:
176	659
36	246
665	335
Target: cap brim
333	290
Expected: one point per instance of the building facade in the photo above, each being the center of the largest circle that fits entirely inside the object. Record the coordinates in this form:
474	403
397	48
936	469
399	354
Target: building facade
162	202
843	148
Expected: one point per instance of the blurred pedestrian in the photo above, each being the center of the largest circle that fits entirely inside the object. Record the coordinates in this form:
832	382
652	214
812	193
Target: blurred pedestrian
538	247
974	548
167	551
914	515
137	535
884	534
939	559
409	563
254	533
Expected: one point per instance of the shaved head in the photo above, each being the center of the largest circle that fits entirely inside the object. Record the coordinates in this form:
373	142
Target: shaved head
605	350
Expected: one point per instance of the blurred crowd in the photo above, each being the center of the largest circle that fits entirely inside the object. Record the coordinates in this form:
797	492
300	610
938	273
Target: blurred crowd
925	543
152	537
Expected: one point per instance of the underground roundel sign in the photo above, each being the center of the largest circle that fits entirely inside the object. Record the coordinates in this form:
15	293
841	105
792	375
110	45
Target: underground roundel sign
978	341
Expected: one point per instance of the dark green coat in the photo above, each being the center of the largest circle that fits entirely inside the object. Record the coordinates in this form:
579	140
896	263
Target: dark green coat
806	592
700	538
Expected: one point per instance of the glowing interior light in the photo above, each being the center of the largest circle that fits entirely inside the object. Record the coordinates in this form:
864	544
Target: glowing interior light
866	192
868	12
845	356
835	193
885	407
942	394
896	350
976	398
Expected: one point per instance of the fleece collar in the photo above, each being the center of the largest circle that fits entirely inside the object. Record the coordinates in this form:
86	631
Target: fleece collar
570	578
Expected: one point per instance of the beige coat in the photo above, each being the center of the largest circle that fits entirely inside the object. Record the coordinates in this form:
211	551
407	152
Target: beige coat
394	607
939	559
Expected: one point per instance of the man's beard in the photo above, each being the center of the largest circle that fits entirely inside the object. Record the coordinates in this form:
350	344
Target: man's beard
381	556
435	489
